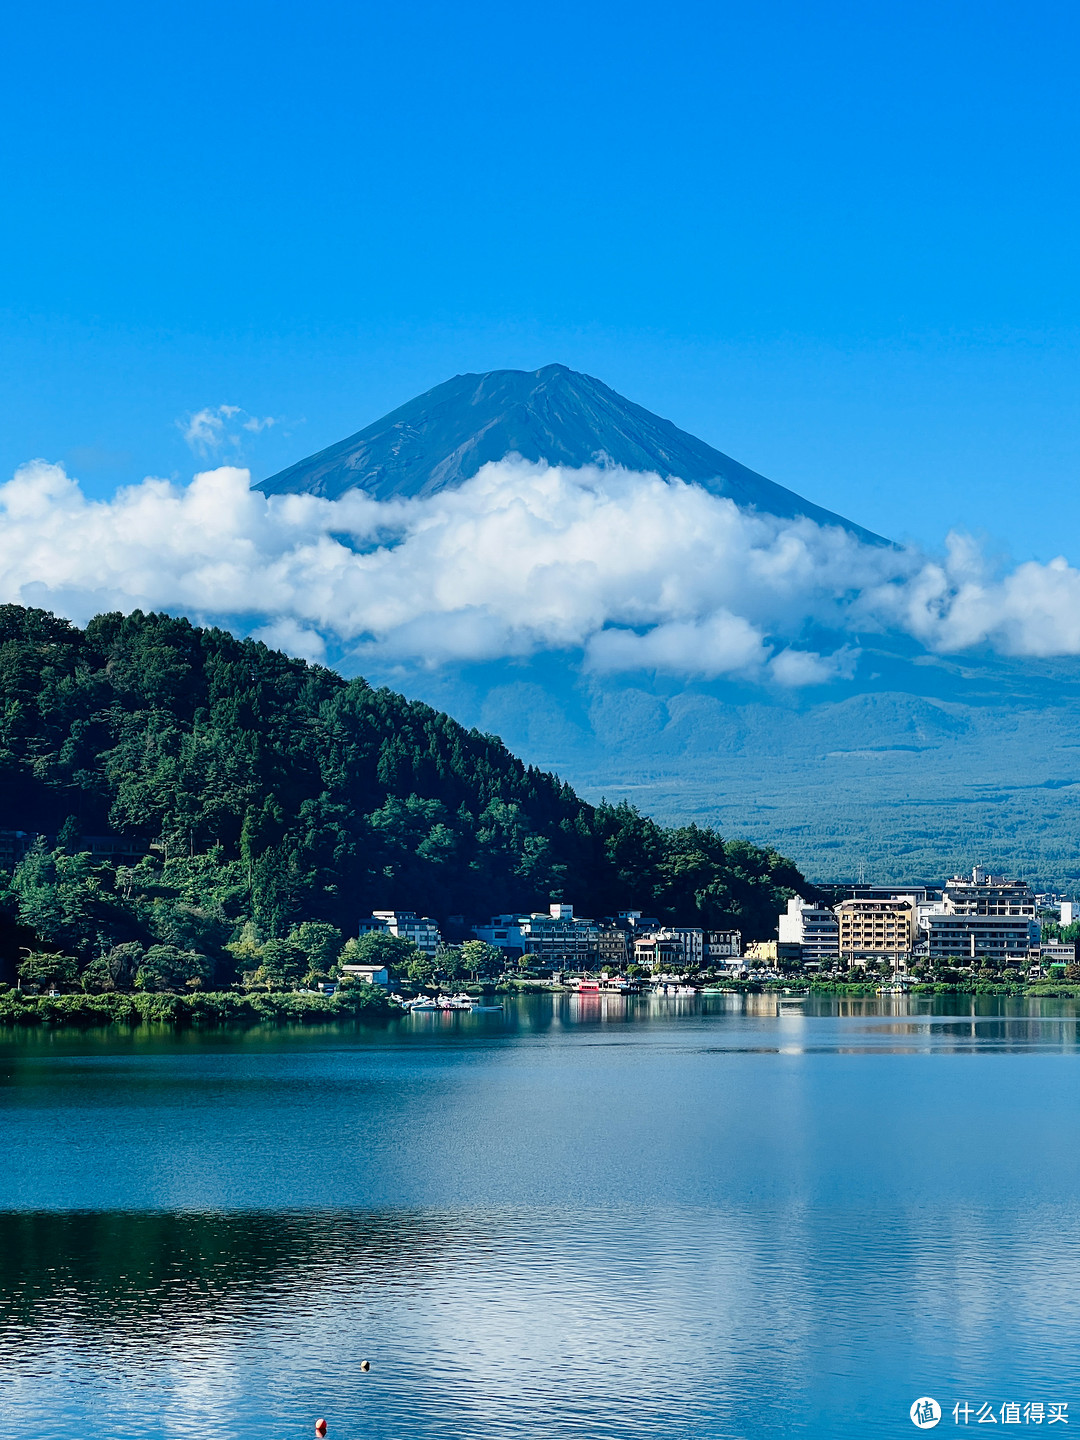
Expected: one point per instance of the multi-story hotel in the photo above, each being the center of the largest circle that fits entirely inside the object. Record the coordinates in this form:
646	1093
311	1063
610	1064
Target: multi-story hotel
875	930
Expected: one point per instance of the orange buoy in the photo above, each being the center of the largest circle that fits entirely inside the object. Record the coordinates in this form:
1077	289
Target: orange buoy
320	1427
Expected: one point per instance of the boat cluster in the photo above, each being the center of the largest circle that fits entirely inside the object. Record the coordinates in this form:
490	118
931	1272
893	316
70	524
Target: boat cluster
442	1002
617	985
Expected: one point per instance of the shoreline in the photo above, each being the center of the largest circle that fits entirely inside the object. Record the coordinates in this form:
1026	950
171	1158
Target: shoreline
206	1010
228	1010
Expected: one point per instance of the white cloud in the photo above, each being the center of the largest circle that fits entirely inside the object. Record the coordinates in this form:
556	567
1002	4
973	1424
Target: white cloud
721	644
213	429
630	571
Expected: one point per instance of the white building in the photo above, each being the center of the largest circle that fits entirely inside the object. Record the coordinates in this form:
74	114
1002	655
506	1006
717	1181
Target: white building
693	945
420	930
986	894
373	974
981	917
559	940
1057	952
813	927
721	947
660	950
967	939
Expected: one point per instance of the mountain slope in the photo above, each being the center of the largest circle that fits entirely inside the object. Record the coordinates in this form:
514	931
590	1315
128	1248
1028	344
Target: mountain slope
442	438
310	797
913	768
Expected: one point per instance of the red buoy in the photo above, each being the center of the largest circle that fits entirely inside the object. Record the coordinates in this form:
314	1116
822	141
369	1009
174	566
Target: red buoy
320	1427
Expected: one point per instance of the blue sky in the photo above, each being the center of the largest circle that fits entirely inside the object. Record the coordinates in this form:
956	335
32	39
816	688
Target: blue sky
838	241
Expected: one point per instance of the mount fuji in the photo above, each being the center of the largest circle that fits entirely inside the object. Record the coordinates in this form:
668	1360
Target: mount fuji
554	415
910	766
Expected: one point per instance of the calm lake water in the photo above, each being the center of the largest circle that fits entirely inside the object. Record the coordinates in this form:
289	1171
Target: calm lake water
575	1218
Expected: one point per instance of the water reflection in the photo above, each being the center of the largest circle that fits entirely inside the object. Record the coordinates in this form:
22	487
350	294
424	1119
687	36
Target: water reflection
695	1217
504	1323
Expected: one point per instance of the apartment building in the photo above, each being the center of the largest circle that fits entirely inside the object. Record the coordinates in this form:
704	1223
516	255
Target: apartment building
968	938
721	947
422	931
985	894
558	940
663	951
813	927
872	931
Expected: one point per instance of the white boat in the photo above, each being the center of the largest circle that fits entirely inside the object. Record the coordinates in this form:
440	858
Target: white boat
460	1001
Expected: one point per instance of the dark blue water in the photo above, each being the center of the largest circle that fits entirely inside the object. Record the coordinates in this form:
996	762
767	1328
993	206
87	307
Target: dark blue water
575	1219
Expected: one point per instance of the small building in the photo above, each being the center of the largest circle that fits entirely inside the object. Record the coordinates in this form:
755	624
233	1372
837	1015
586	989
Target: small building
721	947
660	950
371	974
14	845
1056	952
612	947
693	943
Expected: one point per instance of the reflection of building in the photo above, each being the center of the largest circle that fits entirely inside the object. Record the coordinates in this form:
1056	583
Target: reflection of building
423	933
876	930
814	928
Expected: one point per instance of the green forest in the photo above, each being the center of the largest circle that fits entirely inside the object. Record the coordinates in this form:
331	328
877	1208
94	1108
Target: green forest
266	804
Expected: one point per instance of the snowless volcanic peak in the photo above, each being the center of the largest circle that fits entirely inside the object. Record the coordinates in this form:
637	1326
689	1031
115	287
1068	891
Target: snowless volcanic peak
443	437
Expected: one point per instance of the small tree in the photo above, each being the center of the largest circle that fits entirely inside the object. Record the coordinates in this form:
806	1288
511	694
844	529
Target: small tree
167	968
47	968
379	947
281	964
321	946
450	963
482	958
420	969
115	970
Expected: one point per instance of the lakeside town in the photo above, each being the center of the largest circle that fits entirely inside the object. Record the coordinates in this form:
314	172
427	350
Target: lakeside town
977	927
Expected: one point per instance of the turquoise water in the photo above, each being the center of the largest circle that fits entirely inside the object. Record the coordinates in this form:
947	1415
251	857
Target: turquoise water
576	1218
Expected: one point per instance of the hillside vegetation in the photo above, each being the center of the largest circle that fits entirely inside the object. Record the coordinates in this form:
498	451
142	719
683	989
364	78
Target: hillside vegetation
274	794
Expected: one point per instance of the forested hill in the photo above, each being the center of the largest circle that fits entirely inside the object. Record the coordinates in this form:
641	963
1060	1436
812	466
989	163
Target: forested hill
285	793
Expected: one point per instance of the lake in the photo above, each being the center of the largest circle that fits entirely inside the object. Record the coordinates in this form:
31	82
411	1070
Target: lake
579	1217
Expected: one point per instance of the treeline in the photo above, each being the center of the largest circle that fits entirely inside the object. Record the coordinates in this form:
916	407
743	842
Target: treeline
274	794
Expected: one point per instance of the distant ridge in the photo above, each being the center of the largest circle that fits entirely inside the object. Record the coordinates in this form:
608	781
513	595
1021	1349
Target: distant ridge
443	437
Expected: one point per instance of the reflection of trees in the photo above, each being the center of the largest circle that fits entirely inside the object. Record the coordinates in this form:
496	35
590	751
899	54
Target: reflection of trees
113	1267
